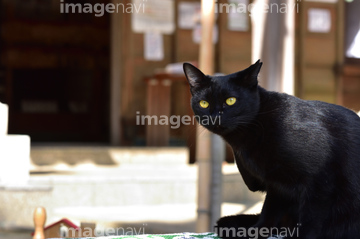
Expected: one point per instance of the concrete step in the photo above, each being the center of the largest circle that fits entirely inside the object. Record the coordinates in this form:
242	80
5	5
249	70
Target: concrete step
73	180
53	157
118	192
111	187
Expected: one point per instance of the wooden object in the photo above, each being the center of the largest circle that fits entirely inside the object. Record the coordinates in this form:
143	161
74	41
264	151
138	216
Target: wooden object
59	229
351	84
318	54
204	141
39	221
87	229
115	76
158	104
229	60
63	228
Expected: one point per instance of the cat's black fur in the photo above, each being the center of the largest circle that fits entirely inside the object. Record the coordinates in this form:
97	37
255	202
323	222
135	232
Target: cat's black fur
304	154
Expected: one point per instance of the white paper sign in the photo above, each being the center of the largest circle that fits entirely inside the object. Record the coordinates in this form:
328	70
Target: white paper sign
197	34
153	46
189	14
319	20
237	20
354	49
156	15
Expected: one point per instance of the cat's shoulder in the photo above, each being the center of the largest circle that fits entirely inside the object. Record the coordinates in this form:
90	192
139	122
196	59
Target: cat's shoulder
306	108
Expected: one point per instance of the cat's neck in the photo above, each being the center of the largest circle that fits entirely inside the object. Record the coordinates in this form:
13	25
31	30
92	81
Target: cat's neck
252	133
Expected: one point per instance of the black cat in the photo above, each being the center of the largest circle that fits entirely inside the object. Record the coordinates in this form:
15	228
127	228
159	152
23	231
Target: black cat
304	154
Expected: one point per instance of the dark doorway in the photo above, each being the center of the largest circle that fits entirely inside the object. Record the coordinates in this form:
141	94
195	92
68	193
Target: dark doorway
54	71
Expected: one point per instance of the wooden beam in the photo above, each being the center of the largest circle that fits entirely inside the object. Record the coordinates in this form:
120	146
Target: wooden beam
115	78
340	52
204	141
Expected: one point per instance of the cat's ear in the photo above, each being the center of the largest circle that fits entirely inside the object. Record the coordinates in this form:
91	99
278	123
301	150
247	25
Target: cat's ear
255	68
194	76
250	75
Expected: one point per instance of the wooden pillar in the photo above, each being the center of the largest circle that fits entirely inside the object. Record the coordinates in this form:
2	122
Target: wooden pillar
115	77
288	48
218	154
258	17
204	139
272	51
275	46
340	52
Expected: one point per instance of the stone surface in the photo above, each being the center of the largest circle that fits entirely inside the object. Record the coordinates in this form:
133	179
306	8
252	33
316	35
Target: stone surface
108	156
4	115
161	193
14	159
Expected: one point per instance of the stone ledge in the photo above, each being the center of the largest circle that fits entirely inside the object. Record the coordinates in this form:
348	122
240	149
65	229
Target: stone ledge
42	156
25	188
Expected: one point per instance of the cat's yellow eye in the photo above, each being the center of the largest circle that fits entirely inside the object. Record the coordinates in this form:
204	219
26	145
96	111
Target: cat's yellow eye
231	101
204	104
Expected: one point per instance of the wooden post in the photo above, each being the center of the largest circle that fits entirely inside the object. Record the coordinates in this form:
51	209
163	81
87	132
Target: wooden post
218	153
206	56
275	46
39	221
288	57
203	144
340	52
115	77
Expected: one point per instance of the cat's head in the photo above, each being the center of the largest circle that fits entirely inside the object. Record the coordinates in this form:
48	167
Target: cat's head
224	103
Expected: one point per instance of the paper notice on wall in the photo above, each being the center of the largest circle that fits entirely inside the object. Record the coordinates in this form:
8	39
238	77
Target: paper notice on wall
238	17
319	20
354	49
153	15
198	31
153	46
189	14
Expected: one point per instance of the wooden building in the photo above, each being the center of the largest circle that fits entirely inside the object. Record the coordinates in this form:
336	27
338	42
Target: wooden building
71	77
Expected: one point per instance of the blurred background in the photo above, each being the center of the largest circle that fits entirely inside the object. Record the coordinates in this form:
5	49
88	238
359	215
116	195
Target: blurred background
78	82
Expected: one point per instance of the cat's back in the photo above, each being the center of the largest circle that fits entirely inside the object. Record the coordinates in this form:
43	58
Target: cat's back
294	111
335	119
310	128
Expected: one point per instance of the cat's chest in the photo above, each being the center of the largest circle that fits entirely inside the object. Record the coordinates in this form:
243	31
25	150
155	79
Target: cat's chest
268	169
252	161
